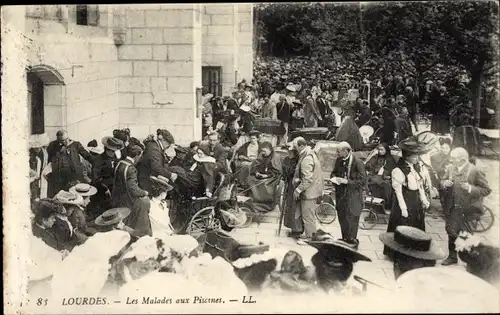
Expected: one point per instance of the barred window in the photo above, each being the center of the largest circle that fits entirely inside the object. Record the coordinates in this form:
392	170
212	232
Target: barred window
87	15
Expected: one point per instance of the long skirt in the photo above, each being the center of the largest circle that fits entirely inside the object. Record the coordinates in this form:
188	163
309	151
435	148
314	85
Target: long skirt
440	124
139	216
383	190
242	172
415	217
264	193
293	215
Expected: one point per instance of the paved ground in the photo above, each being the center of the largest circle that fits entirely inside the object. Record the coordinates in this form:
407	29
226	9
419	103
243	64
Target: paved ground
379	270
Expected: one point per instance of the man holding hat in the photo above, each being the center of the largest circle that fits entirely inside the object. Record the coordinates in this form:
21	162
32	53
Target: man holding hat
128	194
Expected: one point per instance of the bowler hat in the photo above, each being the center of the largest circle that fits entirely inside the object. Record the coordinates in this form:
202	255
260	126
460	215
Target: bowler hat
113	143
112	216
412	242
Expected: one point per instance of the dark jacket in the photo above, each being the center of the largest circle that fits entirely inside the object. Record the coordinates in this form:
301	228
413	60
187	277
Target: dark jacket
152	164
364	117
66	164
350	196
126	187
47	236
102	171
403	128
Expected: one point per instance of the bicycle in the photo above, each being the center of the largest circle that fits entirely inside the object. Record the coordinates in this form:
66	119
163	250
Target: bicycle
479	222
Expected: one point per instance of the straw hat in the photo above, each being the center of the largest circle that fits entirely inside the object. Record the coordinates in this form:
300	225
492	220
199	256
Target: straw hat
412	242
112	216
68	198
113	143
84	190
327	245
419	144
447	289
162	181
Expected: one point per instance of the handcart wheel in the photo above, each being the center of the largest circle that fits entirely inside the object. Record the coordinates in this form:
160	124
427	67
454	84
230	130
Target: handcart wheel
203	221
367	219
326	213
484	222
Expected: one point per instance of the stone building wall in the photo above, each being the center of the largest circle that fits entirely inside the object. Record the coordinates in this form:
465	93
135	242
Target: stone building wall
147	81
86	104
159	72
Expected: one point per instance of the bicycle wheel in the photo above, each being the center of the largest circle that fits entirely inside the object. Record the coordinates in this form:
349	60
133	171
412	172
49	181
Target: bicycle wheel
326	213
203	221
484	222
367	219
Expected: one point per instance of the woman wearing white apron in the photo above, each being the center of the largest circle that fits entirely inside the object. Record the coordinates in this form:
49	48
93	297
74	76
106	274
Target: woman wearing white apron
159	212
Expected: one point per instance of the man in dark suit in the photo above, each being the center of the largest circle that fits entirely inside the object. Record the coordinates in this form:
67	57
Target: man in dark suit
153	161
403	126
465	187
64	156
324	108
128	194
349	175
103	173
365	114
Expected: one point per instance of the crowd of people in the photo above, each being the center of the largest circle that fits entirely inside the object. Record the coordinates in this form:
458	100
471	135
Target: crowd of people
122	186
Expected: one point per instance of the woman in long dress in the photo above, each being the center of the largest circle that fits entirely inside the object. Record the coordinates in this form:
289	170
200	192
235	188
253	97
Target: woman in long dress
379	168
293	218
411	200
159	212
264	178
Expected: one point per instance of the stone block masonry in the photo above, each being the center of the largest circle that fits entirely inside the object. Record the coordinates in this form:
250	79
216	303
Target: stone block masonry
157	71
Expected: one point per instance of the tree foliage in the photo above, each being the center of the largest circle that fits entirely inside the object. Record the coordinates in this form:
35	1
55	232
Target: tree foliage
426	40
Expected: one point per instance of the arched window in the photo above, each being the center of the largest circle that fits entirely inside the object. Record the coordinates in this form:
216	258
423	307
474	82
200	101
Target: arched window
44	85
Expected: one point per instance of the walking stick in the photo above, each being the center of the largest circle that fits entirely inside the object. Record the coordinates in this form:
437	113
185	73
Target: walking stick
281	207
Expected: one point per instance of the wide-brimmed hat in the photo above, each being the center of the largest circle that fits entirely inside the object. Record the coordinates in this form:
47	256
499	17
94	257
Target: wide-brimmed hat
245	108
366	131
412	242
419	144
162	181
112	216
325	243
68	198
84	190
291	88
113	143
38	141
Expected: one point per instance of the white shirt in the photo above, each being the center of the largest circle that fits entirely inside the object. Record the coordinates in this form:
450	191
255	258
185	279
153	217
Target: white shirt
160	220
